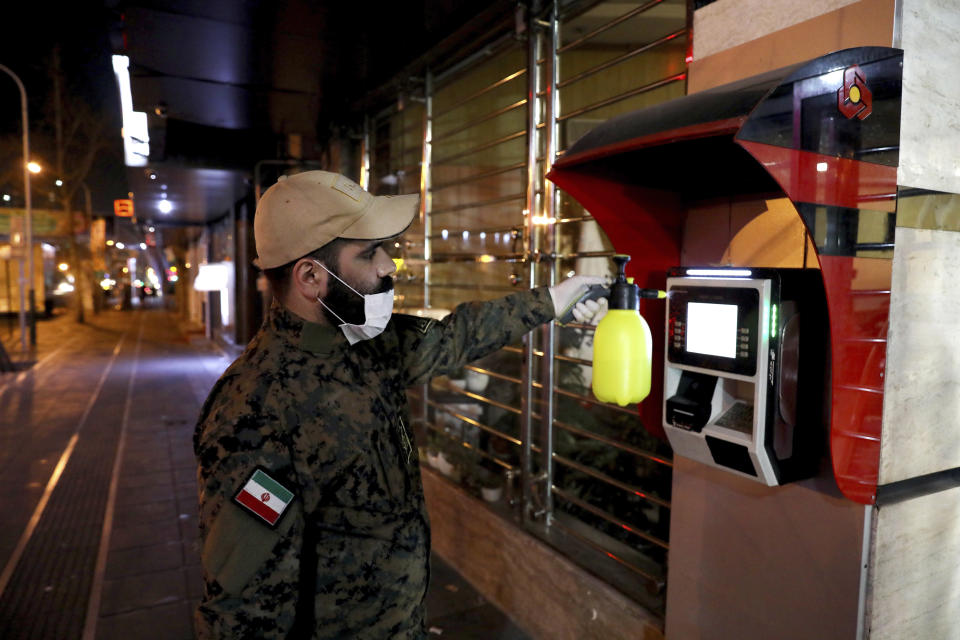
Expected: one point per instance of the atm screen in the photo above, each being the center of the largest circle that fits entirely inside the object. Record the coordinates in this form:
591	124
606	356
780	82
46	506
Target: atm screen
714	326
712	329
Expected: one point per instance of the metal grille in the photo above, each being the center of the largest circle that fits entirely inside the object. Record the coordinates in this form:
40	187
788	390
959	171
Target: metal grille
477	140
476	197
608	472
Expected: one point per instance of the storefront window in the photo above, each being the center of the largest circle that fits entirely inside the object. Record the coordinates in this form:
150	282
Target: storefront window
480	237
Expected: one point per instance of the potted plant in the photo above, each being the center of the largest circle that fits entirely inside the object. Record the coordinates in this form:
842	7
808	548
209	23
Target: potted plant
475	381
433	449
486	477
491	486
458	378
446	458
444	465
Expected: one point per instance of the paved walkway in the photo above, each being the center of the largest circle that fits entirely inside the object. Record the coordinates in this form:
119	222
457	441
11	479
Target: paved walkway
98	531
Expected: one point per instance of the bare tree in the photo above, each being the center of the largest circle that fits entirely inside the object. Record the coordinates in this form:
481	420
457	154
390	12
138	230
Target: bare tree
79	135
68	138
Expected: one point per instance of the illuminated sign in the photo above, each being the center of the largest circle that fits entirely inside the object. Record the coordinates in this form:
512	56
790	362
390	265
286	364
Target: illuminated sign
123	208
213	276
136	138
46	222
217	276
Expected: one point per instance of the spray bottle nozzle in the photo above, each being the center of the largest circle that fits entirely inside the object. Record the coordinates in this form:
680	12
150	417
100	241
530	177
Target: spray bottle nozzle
654	293
624	294
621	260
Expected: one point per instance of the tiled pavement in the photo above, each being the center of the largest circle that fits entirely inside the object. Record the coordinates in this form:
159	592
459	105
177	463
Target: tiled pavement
119	394
456	610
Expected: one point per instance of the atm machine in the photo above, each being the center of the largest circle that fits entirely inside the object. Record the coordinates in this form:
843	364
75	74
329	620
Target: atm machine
744	370
755	371
825	135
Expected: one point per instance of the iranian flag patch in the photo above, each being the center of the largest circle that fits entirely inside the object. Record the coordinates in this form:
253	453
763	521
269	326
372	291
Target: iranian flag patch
264	497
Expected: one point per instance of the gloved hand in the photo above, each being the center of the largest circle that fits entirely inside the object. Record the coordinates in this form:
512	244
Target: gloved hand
566	293
590	311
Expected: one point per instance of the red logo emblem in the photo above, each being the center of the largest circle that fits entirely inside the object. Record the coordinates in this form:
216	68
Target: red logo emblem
265	497
854	99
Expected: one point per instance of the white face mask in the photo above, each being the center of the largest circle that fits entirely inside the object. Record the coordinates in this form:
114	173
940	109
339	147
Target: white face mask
377	309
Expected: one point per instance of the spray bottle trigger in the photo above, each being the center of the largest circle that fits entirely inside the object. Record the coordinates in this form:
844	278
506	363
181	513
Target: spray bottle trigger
593	292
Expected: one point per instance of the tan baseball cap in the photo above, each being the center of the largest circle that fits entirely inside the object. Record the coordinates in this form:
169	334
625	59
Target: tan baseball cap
305	211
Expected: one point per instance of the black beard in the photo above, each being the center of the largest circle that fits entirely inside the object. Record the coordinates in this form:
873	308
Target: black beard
345	303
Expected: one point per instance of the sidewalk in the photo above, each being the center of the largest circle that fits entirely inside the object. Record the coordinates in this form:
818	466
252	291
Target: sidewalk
100	538
53	332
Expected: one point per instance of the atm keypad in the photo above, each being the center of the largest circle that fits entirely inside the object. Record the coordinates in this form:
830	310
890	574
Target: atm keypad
677	332
743	342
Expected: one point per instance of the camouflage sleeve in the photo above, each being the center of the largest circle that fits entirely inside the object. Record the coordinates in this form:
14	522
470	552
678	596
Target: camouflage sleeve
250	569
474	329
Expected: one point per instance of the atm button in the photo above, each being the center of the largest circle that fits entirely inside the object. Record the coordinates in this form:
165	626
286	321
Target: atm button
744	354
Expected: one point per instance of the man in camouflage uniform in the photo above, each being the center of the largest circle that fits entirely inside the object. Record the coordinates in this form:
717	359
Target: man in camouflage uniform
314	411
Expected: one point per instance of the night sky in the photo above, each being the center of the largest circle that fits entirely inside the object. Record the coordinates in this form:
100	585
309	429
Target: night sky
82	30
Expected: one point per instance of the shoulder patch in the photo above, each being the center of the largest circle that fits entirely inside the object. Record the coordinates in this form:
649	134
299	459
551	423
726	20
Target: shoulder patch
264	497
415	322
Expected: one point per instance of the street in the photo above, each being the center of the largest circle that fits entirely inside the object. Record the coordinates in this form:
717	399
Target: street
98	530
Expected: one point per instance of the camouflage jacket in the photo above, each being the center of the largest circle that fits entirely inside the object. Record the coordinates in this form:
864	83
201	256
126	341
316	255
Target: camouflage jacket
329	422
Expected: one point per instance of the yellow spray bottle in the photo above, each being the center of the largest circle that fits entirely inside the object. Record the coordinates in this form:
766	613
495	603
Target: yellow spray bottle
622	344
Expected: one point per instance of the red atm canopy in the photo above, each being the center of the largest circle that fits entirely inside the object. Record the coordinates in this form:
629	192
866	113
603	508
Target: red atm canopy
824	133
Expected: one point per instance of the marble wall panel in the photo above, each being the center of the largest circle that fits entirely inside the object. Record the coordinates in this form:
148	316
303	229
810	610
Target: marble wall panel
915	584
860	24
922	387
930	116
754	562
727	23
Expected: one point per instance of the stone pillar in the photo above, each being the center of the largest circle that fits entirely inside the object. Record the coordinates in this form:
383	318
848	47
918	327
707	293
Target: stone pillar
914	569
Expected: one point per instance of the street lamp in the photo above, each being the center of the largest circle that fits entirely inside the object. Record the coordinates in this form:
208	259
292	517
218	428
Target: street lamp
28	221
33	167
